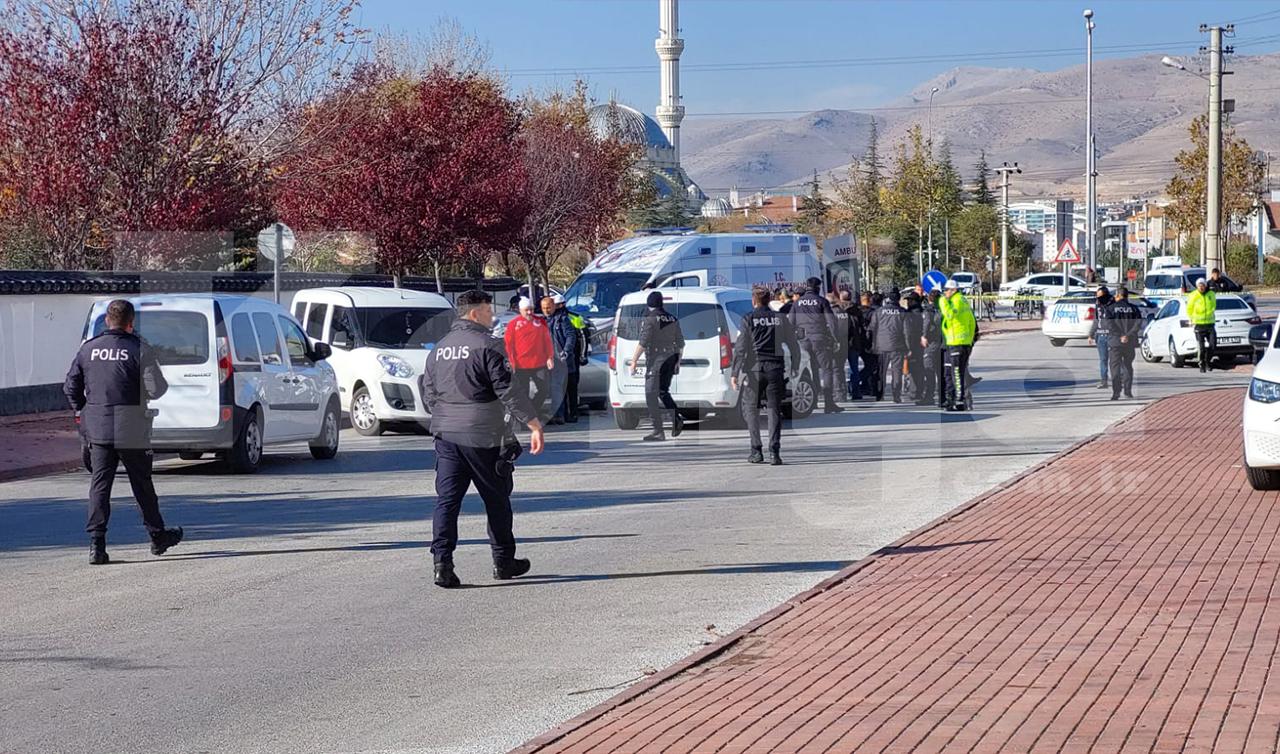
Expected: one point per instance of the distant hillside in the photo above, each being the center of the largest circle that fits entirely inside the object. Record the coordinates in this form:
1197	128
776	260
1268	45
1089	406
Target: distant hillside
1141	113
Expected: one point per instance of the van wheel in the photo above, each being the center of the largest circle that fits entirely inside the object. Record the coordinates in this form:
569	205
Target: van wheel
804	398
325	446
246	455
190	455
1262	479
626	418
1175	358
1057	342
363	417
1147	356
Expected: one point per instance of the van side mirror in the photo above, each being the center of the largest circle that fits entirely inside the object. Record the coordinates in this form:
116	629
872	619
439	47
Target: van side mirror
320	351
1260	333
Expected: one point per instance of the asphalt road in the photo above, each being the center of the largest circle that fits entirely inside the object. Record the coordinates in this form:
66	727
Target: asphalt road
299	615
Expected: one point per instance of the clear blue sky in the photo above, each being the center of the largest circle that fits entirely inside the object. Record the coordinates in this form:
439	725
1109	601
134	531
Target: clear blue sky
530	38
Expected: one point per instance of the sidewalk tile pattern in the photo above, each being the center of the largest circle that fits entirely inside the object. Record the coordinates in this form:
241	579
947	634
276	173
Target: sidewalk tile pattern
1121	598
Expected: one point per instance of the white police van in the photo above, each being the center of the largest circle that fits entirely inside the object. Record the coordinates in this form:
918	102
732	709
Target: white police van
709	320
242	375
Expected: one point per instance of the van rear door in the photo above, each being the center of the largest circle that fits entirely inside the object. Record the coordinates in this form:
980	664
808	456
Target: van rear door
702	324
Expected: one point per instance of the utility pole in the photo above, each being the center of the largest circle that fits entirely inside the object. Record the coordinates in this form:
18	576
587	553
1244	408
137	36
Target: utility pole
1091	152
1004	171
1213	204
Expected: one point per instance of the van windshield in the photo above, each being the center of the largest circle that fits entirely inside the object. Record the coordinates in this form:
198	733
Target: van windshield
1165	282
175	337
403	327
697	321
598	294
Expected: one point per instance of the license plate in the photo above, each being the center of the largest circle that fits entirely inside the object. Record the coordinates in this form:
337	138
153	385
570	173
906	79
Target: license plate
1229	341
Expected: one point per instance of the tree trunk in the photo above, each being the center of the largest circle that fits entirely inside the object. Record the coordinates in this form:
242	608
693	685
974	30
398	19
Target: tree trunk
439	282
395	279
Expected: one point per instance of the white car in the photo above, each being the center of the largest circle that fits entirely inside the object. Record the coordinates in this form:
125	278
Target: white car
381	338
1261	423
1071	317
1041	284
709	320
1170	335
242	375
969	282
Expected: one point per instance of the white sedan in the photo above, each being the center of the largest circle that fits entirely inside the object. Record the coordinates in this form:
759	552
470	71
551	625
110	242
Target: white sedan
1170	335
1041	284
1072	316
1262	424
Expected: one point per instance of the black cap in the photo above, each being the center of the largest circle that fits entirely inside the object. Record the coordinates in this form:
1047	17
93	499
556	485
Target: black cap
815	284
654	300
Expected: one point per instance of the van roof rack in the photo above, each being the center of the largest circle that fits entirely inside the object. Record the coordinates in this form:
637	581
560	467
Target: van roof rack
770	227
675	230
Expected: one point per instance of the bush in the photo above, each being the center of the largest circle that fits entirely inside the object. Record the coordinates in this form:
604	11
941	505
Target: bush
1242	262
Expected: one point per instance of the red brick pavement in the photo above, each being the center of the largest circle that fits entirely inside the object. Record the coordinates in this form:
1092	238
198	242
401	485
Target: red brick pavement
1119	598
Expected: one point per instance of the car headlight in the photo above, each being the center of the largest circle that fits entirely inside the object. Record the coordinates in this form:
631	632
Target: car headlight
395	366
1263	391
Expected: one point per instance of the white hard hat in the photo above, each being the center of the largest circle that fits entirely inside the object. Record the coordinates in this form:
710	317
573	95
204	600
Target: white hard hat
1201	281
557	299
525	303
952	285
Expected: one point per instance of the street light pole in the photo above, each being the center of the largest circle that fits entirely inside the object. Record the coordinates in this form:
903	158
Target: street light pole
933	92
1213	203
1091	167
1004	171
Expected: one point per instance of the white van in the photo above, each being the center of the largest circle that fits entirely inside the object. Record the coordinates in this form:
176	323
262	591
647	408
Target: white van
709	320
381	338
242	375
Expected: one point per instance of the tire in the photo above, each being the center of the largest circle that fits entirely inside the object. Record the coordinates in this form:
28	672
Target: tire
804	398
246	455
626	418
1262	479
363	418
1177	360
1147	356
190	455
1057	342
325	446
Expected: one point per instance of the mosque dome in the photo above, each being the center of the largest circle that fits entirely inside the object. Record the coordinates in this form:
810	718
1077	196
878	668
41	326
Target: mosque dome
718	207
627	124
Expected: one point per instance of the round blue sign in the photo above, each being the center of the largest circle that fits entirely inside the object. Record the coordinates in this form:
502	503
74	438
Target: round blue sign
933	280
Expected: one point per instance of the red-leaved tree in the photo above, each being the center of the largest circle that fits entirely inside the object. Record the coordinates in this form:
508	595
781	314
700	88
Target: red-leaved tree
429	168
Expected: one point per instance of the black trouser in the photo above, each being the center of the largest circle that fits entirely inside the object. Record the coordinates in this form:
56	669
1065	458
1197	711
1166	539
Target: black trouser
891	366
822	361
871	379
571	396
1120	363
915	366
855	376
932	361
137	464
838	384
537	378
457	468
768	382
956	375
657	386
1207	344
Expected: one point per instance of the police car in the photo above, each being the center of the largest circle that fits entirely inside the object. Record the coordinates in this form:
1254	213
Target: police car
1071	317
709	320
1171	335
242	375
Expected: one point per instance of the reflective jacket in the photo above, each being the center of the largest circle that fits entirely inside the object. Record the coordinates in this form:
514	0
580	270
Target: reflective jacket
958	323
1201	307
467	388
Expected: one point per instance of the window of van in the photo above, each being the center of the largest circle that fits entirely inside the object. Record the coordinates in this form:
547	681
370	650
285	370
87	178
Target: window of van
403	327
1164	282
342	329
601	292
268	338
697	321
295	342
299	309
175	337
739	308
315	320
245	343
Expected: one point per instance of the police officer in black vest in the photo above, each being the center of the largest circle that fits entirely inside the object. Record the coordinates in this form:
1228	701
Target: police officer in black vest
661	339
109	383
467	388
815	325
758	355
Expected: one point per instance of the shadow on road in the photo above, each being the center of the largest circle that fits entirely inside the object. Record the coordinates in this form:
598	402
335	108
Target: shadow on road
804	566
371	547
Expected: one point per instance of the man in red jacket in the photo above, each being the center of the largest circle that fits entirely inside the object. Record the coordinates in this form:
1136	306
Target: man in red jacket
528	341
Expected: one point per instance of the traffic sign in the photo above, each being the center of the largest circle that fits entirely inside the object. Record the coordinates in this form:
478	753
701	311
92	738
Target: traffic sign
1067	253
933	280
276	237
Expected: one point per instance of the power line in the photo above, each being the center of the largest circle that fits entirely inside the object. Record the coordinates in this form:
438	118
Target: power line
1257	17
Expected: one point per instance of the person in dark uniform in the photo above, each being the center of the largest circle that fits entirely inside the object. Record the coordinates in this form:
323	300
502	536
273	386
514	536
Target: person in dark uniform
1126	322
660	337
931	343
889	338
854	347
870	375
758	369
815	326
110	381
914	327
841	356
1100	333
468	389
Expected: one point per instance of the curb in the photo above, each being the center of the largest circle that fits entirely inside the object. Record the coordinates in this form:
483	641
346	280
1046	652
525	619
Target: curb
724	644
29	472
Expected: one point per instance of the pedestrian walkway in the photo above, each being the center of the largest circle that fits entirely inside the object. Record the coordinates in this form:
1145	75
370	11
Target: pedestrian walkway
1119	598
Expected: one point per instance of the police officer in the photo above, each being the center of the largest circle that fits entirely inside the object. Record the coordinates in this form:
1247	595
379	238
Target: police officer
1202	308
872	382
889	340
758	367
1100	333
1125	321
931	344
959	329
468	389
841	312
854	347
660	337
914	327
109	383
815	326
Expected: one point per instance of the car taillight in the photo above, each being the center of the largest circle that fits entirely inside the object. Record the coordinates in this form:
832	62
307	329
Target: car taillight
1255	320
224	360
1089	314
726	350
613	353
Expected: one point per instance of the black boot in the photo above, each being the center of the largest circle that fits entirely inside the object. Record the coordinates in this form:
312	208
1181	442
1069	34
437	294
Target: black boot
98	551
445	578
510	568
655	436
776	460
677	424
757	456
163	540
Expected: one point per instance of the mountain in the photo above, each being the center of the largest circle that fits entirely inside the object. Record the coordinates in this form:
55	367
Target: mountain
1037	119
